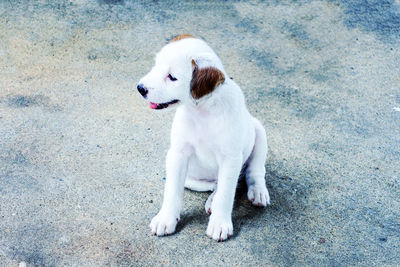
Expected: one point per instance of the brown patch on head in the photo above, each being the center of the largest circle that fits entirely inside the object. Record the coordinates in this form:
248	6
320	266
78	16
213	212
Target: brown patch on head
182	36
204	80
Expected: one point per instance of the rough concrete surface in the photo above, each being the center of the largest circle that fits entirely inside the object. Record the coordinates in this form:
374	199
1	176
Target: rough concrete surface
82	155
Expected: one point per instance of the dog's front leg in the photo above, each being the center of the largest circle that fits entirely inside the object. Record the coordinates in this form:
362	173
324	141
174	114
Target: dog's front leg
220	225
165	221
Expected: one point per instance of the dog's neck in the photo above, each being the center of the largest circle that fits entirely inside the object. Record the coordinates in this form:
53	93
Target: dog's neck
208	104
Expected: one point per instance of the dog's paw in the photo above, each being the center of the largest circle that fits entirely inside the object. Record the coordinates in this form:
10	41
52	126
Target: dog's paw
207	206
163	224
258	195
219	228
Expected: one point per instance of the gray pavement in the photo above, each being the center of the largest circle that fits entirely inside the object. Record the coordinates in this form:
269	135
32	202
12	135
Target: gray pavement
82	155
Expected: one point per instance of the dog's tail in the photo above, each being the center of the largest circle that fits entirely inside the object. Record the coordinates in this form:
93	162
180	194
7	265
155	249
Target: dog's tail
200	185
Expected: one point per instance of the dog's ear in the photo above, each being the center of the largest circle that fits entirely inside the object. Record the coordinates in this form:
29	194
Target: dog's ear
204	80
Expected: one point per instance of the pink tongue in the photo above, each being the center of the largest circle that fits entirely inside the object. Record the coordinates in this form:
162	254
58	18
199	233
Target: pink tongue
153	105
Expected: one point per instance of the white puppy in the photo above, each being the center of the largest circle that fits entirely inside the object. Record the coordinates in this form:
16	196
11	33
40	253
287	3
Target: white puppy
213	136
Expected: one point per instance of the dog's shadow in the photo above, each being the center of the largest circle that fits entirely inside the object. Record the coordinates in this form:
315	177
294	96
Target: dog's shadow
286	195
243	210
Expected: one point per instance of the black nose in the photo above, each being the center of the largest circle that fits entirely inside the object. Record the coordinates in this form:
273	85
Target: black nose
143	91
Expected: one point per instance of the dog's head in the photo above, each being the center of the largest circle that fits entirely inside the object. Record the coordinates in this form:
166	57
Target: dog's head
186	70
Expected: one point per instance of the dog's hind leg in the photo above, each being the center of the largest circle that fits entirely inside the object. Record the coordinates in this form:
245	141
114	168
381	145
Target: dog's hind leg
255	173
203	186
207	206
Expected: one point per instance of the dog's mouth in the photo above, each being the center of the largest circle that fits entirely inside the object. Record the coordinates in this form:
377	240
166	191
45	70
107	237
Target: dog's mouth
163	105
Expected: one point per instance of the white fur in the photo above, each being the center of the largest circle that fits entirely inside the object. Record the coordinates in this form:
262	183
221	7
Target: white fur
212	138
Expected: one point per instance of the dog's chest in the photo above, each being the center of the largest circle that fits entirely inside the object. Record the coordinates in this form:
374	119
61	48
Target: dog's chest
205	137
205	132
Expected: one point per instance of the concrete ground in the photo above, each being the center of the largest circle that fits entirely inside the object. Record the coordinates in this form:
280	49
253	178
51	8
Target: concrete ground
82	155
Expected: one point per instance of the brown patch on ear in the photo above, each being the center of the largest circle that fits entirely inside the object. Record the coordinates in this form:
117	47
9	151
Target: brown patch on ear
182	36
204	80
194	64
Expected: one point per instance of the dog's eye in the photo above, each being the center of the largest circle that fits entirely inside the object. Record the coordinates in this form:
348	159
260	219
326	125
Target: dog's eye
172	78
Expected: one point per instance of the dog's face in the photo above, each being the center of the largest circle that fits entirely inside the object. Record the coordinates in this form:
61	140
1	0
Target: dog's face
181	74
